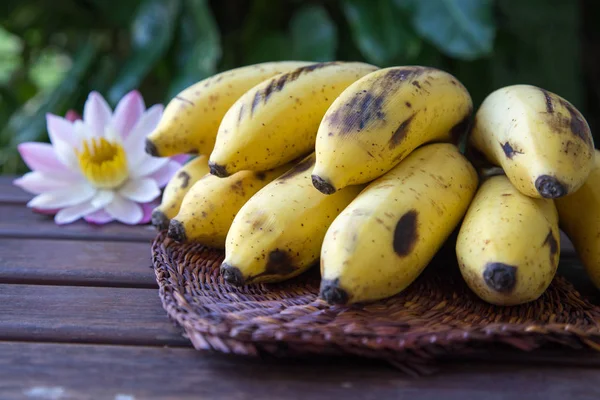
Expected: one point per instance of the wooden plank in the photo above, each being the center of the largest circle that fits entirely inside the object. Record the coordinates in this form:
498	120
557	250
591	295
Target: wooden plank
17	221
33	370
10	193
67	262
85	315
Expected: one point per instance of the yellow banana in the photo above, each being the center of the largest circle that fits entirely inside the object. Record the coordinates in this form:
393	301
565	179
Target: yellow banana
385	238
278	233
191	119
176	189
579	218
209	207
540	140
277	120
379	119
508	244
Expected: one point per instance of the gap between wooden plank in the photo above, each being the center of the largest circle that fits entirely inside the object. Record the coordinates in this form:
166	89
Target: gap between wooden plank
158	373
76	263
85	315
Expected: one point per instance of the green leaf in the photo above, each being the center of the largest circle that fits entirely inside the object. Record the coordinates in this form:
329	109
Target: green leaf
198	49
537	47
314	35
463	29
269	46
151	34
379	31
29	122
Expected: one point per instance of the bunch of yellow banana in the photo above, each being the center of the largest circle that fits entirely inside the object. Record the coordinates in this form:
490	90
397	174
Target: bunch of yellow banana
360	167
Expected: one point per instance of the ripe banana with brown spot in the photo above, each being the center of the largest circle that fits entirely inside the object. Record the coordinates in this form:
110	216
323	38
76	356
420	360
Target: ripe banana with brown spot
540	140
278	233
176	189
579	218
191	119
210	206
277	120
386	237
379	119
508	244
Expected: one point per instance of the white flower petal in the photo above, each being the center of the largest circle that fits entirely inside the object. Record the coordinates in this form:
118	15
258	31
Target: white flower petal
141	190
74	194
164	174
135	143
36	183
43	157
103	198
60	129
147	166
96	113
66	154
73	213
99	217
124	210
127	113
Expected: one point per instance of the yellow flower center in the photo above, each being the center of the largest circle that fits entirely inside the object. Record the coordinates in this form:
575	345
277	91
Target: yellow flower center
103	163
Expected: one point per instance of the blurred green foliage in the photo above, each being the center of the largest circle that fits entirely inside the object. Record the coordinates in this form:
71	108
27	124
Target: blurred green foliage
53	53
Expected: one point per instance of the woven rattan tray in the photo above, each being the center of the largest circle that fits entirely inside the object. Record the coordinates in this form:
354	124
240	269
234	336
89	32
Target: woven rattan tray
437	315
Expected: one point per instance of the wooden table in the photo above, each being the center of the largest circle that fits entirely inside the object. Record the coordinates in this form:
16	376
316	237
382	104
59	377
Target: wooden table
80	318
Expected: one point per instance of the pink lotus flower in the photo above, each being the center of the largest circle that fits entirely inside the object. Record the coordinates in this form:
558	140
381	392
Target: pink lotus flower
96	168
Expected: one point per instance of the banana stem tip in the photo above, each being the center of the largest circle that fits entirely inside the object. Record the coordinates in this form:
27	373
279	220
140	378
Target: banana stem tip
232	275
322	185
332	293
176	231
159	220
150	148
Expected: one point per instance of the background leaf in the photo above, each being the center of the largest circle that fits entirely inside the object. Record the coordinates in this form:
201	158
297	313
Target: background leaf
313	34
460	28
198	49
379	31
151	34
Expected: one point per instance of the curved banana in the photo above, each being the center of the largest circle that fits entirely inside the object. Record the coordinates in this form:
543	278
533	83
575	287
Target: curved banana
379	119
176	189
508	244
385	238
208	209
579	218
278	233
277	120
540	140
191	119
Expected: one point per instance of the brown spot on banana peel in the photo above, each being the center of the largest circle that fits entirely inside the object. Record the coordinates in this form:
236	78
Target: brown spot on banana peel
184	100
302	166
332	292
406	233
403	74
238	188
185	179
552	244
261	176
550	187
509	150
578	125
549	105
241	114
417	84
279	263
363	109
400	132
177	231
500	277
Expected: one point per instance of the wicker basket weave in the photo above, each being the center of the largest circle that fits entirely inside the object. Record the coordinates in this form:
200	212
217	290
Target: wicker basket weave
437	315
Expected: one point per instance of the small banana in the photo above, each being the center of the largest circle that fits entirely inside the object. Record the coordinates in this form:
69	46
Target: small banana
508	244
579	218
208	209
278	233
191	119
379	119
385	238
540	140
276	121
176	189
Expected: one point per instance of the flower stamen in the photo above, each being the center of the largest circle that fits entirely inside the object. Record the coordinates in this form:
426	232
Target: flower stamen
103	163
